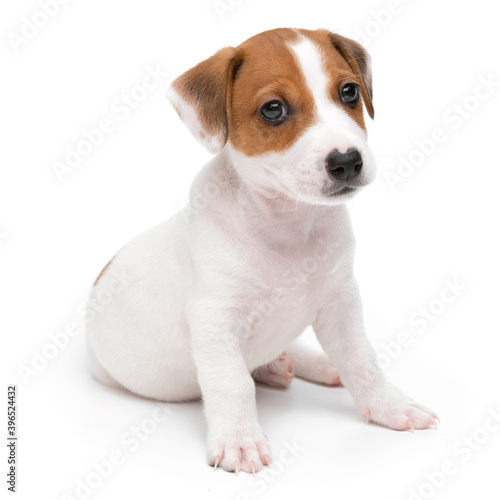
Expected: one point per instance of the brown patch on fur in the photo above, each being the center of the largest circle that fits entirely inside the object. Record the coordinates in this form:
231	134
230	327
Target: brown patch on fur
359	60
269	71
102	272
228	89
342	66
207	87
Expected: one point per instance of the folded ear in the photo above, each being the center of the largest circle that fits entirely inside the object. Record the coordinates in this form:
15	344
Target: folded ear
360	62
202	97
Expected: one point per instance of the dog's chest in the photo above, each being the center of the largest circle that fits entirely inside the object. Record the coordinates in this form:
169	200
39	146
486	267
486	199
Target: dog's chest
287	292
278	315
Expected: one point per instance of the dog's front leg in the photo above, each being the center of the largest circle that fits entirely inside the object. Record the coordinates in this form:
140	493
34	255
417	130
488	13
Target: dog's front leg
339	329
235	439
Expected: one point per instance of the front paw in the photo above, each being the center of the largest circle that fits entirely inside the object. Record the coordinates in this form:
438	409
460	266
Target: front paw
391	408
241	450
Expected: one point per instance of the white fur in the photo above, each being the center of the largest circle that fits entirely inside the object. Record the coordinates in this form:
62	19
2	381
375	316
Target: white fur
227	285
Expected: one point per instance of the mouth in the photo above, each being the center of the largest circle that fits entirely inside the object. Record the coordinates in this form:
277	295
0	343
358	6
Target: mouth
341	192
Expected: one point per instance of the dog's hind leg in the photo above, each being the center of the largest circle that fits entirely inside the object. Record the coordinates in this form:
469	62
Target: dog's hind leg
312	365
98	372
277	373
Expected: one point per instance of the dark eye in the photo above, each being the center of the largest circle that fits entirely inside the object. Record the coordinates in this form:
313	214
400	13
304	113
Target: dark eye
273	112
350	94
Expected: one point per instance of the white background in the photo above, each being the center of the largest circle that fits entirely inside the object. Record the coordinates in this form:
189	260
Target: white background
440	223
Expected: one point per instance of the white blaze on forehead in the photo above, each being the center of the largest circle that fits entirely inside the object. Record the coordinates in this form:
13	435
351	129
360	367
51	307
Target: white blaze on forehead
310	62
329	114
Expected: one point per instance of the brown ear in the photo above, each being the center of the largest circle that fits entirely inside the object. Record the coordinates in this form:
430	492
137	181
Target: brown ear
360	62
202	96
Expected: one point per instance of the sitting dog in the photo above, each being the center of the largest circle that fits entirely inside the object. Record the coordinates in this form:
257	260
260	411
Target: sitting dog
217	295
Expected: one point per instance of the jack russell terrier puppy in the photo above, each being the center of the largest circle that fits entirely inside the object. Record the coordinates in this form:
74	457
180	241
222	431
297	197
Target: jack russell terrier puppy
217	295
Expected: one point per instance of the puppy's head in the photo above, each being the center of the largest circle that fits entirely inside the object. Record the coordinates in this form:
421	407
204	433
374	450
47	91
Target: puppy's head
288	106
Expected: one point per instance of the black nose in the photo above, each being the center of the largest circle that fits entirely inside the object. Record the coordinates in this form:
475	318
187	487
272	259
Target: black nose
344	166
